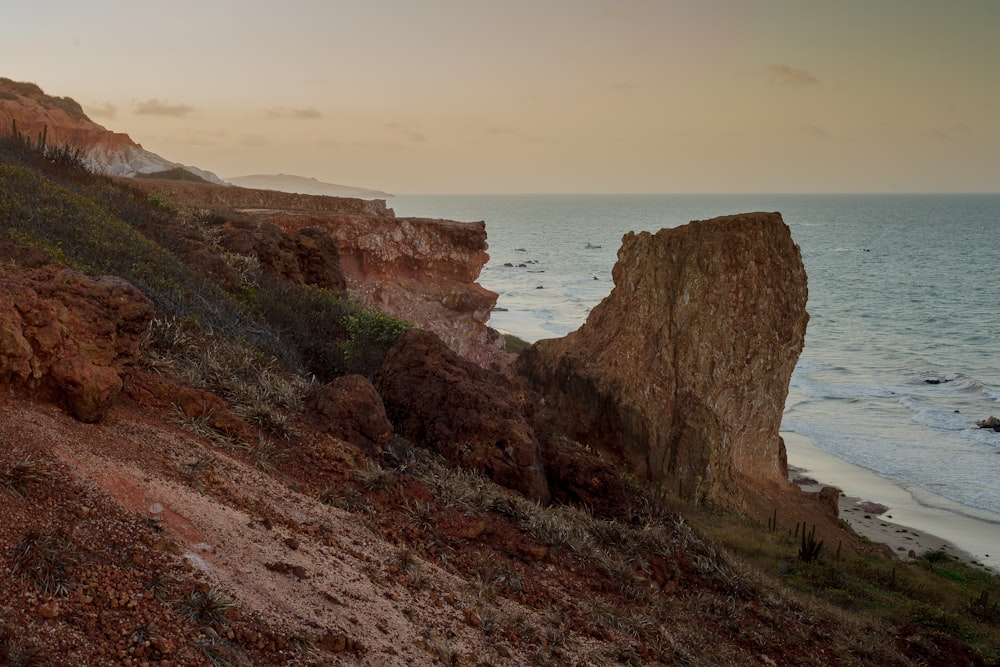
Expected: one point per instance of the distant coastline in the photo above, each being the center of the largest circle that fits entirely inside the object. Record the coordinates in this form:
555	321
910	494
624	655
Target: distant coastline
304	186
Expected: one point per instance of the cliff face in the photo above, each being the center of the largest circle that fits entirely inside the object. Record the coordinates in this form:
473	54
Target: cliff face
422	270
64	122
683	370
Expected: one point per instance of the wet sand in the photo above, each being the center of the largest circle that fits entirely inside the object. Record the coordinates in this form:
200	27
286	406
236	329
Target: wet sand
910	521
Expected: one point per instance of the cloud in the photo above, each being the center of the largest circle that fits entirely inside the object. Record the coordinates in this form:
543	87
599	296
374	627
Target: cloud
254	141
498	131
303	114
104	110
622	87
155	107
789	76
815	131
410	134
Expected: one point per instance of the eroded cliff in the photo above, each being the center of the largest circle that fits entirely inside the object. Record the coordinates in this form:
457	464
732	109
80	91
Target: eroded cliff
61	121
419	269
682	371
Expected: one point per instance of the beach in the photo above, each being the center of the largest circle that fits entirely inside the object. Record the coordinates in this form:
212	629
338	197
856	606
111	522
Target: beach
912	521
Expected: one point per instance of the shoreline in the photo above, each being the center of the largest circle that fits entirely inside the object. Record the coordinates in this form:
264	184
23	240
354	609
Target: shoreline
911	521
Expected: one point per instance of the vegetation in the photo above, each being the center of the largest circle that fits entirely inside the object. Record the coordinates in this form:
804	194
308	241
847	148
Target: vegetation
263	343
94	225
10	89
936	591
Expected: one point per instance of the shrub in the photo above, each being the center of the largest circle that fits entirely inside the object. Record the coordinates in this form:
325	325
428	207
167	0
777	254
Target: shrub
370	335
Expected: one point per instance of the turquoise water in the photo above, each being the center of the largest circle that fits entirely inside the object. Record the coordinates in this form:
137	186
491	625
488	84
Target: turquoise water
903	289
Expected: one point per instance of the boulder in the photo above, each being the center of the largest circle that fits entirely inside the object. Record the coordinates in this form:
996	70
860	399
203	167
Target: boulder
577	476
350	408
472	416
66	337
989	422
306	255
681	373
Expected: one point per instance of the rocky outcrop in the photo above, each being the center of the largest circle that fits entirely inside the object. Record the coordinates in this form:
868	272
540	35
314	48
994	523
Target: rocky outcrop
989	422
66	336
303	256
469	415
682	371
421	270
350	408
424	271
62	122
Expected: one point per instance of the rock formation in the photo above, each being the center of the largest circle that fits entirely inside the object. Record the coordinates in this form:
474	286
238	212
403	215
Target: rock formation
350	408
62	121
303	256
67	337
682	371
469	415
422	270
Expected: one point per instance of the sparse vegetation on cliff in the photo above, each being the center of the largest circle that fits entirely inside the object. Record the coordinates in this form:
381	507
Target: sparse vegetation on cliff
398	555
100	228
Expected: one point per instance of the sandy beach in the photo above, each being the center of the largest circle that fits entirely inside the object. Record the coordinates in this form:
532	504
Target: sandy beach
909	520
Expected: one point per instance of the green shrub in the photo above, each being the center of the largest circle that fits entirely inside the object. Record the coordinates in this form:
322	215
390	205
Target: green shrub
370	335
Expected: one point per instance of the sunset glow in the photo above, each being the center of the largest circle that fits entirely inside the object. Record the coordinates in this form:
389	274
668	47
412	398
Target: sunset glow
550	96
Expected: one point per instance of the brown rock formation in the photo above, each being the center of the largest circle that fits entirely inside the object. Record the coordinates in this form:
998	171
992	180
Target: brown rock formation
469	415
422	270
580	477
305	256
60	118
682	371
61	121
66	336
351	409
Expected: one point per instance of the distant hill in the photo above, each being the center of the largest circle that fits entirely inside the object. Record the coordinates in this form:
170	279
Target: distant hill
304	186
61	121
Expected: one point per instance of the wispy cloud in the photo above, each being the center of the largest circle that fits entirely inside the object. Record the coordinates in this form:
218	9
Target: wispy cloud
308	113
790	76
155	107
254	141
622	87
815	131
406	132
498	131
104	110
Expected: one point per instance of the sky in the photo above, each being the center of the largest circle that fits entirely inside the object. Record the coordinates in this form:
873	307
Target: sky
526	96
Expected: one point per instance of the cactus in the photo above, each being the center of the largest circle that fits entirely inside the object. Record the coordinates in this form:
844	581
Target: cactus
810	548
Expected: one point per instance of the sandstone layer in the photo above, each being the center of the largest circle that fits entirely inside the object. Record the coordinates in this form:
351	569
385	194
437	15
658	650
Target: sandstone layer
681	373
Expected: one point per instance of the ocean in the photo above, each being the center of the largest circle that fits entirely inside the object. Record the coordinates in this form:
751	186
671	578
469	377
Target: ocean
902	351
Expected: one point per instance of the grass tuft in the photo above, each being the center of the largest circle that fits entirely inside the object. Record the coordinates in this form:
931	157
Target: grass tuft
206	605
16	480
47	561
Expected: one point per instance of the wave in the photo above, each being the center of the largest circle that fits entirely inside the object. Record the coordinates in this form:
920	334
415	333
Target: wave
934	416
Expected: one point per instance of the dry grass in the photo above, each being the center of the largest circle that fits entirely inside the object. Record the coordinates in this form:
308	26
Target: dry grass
261	391
23	474
206	605
47	561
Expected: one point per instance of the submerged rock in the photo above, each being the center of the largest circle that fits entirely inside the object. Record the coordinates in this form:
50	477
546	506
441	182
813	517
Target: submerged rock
681	373
989	422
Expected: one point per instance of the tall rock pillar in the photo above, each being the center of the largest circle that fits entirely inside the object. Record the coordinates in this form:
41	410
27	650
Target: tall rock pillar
681	373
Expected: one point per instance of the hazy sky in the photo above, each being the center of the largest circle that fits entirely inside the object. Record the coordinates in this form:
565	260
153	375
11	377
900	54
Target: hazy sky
539	95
